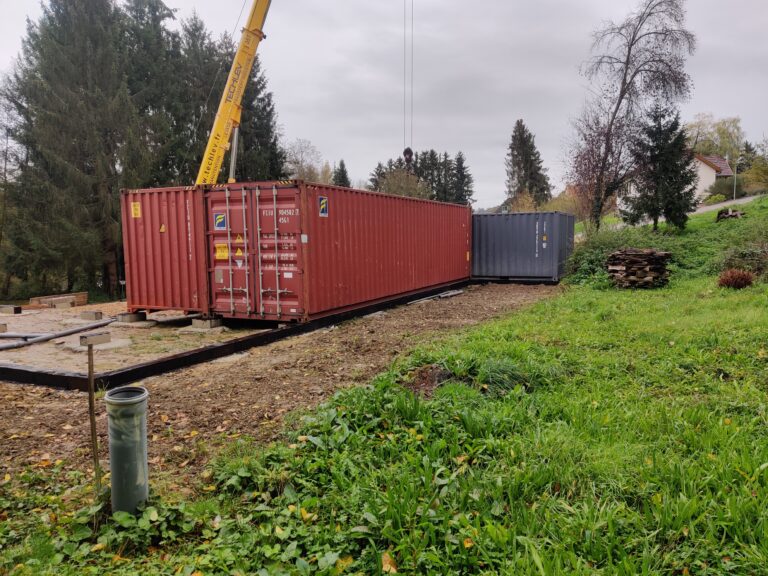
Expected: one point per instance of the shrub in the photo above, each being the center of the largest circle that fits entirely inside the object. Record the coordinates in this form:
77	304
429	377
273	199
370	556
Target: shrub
753	257
716	199
724	187
736	279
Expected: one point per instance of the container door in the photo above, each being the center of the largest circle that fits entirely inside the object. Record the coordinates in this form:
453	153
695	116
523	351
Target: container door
277	254
229	241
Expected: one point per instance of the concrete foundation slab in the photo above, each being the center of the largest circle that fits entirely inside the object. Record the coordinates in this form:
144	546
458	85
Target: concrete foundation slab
131	318
207	324
92	315
74	345
141	325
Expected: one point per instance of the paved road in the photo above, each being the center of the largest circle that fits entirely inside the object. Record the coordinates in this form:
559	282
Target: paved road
716	207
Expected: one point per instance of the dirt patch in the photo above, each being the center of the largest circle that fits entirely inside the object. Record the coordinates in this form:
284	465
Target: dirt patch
194	411
427	379
131	343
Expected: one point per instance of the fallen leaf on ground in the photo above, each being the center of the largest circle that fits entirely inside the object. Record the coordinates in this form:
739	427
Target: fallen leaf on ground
388	565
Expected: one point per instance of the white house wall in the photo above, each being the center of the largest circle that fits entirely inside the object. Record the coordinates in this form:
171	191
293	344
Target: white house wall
707	177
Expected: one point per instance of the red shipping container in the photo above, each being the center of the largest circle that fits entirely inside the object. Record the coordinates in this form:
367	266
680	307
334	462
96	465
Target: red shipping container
290	251
166	264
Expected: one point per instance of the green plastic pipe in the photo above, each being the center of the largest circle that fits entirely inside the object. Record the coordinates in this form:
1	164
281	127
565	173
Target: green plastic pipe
127	426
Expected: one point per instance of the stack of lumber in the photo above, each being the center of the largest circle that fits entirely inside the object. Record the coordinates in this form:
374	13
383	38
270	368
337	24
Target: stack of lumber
74	299
728	213
632	268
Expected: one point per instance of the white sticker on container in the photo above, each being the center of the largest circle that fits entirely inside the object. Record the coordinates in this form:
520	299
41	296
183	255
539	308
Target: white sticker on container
304	239
288	275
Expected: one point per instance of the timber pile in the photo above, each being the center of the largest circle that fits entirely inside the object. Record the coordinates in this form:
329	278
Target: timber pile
76	298
728	213
633	268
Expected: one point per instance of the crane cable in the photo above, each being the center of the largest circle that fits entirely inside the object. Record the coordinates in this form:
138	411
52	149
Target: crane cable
406	140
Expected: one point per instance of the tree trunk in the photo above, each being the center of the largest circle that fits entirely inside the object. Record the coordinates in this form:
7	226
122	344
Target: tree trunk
6	286
110	276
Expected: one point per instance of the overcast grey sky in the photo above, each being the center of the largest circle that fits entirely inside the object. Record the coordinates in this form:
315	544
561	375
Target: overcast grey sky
336	69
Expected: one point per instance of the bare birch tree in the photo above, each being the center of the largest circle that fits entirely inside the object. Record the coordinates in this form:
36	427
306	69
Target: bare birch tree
635	61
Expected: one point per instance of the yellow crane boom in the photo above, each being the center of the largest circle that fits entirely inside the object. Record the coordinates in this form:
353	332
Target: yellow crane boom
230	107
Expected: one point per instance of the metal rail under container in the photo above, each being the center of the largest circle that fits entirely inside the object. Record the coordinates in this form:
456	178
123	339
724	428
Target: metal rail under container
113	379
522	247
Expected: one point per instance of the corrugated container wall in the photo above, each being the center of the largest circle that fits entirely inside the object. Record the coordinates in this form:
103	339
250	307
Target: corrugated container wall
290	251
525	246
165	249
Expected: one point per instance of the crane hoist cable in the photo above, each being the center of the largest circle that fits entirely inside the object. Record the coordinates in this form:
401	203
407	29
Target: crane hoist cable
408	141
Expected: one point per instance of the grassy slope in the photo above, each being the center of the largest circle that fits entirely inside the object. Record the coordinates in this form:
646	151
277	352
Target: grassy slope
602	432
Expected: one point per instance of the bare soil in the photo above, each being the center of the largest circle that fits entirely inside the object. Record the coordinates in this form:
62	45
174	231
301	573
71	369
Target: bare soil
195	411
427	379
130	344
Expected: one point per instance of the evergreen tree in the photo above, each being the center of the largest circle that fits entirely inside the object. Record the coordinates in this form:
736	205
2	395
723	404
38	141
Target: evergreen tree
747	157
444	179
82	141
435	177
202	62
154	68
340	176
525	172
463	182
376	181
665	175
261	155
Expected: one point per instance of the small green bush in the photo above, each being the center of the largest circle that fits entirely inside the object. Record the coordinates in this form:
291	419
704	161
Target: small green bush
716	199
724	187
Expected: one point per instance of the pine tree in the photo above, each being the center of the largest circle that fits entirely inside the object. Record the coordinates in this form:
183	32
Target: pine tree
432	176
154	71
525	172
747	157
444	179
341	176
463	182
665	175
82	141
261	155
376	181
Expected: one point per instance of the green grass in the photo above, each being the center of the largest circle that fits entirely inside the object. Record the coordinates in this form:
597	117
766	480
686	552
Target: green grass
609	222
698	250
602	432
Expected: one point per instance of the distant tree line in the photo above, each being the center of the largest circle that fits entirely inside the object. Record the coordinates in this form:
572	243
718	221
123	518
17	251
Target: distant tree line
431	175
107	96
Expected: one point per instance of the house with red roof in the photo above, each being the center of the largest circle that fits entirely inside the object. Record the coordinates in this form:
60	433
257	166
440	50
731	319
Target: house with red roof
710	167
